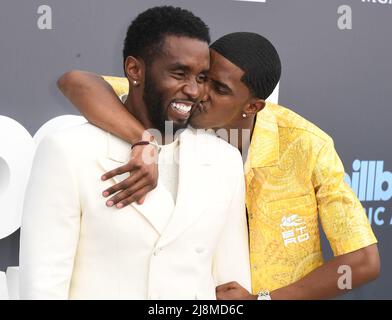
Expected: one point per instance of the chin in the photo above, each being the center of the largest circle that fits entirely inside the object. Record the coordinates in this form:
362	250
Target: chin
196	125
179	125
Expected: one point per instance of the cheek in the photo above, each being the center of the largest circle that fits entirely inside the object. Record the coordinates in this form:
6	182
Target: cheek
170	86
223	108
226	116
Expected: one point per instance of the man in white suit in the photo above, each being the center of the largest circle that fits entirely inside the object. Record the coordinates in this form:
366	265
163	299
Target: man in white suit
188	236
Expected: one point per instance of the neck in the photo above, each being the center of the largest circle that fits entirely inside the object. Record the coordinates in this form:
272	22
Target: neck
239	133
136	106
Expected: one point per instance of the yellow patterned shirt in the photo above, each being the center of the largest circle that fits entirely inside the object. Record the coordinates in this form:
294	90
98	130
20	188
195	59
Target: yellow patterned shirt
119	84
294	179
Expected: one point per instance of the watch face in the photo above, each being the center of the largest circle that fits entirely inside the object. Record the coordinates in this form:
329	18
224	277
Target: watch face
264	295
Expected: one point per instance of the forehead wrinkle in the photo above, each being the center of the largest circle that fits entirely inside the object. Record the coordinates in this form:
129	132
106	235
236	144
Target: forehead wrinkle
169	49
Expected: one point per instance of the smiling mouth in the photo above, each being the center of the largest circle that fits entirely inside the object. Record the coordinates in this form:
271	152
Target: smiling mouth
183	108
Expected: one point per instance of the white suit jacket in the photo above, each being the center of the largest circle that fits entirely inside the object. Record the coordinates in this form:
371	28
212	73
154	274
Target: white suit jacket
74	247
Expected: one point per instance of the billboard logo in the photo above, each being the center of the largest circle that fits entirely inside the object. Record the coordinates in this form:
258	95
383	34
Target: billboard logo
378	1
369	181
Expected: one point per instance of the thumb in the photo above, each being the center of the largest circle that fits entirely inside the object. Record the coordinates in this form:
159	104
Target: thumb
223	287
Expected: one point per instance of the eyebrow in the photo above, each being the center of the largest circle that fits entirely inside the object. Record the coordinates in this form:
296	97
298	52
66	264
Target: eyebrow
177	65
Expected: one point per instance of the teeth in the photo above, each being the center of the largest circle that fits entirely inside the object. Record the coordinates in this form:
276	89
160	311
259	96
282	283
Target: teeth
182	107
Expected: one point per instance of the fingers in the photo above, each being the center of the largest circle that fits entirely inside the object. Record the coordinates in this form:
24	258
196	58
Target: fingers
141	193
222	287
125	189
227	286
224	295
141	200
123	185
221	296
120	170
143	178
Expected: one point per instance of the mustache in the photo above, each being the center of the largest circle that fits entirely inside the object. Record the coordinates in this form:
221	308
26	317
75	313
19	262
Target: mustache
201	105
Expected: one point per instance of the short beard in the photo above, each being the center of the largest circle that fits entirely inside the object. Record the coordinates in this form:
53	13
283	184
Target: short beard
153	99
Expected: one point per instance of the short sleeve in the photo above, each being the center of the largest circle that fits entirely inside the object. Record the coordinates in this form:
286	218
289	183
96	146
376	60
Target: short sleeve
342	216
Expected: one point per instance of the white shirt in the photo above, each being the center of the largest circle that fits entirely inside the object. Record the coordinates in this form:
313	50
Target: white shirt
168	167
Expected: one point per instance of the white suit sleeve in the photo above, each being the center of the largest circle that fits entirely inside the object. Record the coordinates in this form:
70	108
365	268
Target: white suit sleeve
231	261
50	225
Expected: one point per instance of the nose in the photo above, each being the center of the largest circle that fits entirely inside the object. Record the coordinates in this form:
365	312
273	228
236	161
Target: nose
193	89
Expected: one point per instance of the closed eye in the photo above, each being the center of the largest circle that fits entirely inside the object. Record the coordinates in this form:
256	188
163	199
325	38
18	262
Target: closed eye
179	75
220	89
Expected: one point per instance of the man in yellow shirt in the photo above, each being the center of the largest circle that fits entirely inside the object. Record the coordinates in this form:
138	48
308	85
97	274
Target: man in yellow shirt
294	176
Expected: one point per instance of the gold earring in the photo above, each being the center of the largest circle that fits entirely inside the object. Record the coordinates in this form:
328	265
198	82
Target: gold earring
135	83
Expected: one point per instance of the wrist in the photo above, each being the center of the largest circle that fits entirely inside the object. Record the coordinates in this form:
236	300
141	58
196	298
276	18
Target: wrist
142	143
144	136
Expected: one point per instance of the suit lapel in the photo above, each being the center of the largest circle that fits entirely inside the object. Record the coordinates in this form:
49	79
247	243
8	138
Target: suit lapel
158	206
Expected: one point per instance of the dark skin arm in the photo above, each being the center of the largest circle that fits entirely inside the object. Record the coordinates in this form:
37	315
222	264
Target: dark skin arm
97	101
321	283
99	104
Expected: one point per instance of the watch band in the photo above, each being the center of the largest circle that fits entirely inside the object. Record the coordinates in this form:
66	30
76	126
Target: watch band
264	295
145	143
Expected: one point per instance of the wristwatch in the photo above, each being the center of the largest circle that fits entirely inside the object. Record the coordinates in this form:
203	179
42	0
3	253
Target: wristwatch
263	295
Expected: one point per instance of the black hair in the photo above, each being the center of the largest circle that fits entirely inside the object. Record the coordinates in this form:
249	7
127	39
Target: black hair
146	34
256	56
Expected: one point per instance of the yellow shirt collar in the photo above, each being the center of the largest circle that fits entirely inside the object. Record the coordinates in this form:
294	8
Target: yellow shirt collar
264	147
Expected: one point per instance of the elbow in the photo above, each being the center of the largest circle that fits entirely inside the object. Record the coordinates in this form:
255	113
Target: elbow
371	265
375	268
68	80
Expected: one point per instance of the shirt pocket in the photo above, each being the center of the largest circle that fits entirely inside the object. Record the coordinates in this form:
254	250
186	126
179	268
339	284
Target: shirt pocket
298	214
291	231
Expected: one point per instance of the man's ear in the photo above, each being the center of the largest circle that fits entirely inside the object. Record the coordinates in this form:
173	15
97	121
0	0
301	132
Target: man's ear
134	69
254	107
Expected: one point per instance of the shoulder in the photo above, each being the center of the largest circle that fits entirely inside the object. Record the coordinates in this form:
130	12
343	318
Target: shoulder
299	134
289	122
76	140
